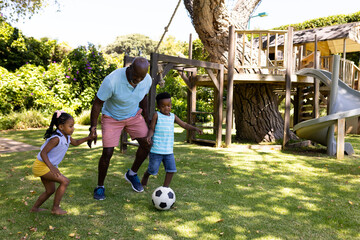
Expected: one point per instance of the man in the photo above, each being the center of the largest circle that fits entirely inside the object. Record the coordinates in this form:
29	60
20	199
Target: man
122	97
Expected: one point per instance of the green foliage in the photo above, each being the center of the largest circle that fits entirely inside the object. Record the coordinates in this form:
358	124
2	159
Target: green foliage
199	52
86	68
32	87
324	21
17	50
23	120
174	48
84	118
132	45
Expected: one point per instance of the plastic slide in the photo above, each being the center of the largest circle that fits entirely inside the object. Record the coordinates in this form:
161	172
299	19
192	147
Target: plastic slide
346	104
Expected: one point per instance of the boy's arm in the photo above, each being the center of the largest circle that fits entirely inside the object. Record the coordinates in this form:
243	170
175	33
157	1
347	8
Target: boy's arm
187	126
76	142
152	127
44	155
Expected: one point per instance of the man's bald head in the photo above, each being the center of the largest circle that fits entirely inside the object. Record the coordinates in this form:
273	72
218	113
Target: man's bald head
138	70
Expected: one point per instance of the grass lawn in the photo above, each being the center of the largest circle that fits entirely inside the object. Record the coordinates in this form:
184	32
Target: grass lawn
233	193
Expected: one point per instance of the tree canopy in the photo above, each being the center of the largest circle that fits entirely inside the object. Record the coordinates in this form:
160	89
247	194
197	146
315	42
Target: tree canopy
14	10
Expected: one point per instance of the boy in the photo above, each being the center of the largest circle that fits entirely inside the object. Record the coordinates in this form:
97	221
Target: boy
161	133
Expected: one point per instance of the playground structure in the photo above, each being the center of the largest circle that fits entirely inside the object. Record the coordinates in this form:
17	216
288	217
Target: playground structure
272	57
160	65
344	103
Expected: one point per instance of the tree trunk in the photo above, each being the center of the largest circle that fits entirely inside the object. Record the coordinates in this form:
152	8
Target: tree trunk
256	113
257	117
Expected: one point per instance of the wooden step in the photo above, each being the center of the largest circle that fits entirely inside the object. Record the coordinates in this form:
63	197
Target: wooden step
204	142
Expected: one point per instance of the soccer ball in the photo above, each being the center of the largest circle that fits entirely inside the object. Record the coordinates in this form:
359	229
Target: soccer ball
163	198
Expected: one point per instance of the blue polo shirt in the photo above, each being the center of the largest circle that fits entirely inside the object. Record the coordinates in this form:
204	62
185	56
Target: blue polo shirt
121	100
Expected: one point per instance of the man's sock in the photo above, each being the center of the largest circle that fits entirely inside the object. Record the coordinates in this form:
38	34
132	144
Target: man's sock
101	186
131	172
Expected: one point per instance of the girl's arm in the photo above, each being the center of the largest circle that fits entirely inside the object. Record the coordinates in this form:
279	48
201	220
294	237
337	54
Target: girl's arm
44	155
152	127
76	142
187	126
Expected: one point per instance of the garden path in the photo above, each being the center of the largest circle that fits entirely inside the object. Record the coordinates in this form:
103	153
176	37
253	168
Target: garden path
9	145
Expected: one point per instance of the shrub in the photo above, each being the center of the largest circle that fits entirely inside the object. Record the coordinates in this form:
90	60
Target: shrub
23	120
31	87
85	68
84	118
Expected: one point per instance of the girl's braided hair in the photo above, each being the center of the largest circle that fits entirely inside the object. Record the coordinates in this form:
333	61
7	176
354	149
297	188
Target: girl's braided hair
59	117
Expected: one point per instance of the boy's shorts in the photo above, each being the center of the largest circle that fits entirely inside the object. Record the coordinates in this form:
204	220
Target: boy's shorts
40	168
111	129
155	160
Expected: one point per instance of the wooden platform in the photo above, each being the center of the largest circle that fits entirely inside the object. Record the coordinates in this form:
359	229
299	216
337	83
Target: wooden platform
205	81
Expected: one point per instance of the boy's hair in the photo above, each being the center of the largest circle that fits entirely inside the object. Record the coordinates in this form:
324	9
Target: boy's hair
59	117
161	96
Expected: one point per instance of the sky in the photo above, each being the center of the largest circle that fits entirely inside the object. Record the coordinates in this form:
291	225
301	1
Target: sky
80	22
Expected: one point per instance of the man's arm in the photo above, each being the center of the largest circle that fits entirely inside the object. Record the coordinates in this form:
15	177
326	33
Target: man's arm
95	111
152	128
144	105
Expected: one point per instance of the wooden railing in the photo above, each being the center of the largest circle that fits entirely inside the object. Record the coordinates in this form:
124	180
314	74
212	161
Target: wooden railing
349	72
255	53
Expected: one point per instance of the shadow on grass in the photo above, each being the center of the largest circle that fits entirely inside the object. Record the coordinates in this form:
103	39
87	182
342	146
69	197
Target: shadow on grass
221	193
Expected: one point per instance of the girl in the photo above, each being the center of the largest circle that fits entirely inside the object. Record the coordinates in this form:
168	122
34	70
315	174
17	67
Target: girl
51	154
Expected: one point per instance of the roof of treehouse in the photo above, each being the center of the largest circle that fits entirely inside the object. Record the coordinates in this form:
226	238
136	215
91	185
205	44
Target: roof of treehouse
333	35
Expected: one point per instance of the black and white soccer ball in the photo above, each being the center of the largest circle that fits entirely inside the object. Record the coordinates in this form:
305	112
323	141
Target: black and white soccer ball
163	198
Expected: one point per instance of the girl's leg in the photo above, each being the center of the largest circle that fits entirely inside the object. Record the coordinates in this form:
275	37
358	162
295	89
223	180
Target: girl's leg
168	178
64	182
145	178
49	190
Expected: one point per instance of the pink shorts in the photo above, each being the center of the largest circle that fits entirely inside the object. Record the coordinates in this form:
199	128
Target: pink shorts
111	129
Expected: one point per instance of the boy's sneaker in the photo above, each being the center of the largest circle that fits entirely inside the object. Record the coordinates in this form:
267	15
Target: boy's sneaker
135	182
99	193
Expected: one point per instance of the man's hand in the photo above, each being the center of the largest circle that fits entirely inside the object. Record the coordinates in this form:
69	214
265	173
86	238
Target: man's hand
93	135
149	140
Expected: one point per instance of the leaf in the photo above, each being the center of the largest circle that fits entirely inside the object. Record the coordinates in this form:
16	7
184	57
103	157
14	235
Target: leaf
220	220
51	227
72	235
351	203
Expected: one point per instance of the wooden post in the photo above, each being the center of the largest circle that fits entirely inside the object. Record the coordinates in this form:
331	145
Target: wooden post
340	146
297	104
190	46
344	62
220	107
152	92
191	106
316	82
230	86
188	97
332	99
289	49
